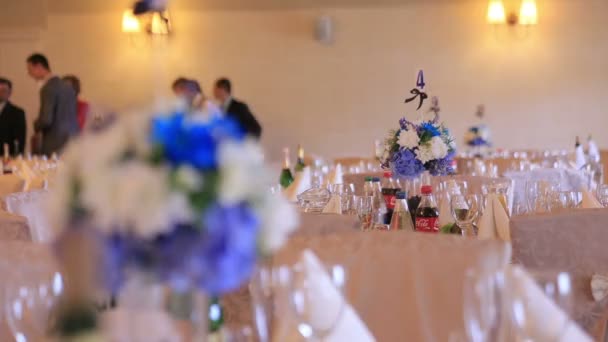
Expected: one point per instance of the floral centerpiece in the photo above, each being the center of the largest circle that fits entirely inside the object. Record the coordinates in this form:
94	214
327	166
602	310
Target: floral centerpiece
417	147
478	136
182	199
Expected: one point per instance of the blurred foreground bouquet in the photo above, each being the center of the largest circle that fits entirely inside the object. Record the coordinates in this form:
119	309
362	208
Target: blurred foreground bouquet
182	199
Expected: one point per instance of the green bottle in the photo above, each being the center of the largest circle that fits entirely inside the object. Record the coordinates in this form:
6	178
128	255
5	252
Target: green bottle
286	177
300	165
216	315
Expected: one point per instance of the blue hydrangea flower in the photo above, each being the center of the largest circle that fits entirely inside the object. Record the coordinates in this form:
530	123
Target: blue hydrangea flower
441	167
405	164
195	143
228	250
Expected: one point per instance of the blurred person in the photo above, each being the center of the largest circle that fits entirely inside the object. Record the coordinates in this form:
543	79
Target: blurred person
12	120
235	109
191	92
82	107
57	121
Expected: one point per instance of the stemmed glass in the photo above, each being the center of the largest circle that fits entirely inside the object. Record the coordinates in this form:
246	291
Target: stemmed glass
531	312
364	208
602	194
465	209
483	303
538	195
30	302
317	302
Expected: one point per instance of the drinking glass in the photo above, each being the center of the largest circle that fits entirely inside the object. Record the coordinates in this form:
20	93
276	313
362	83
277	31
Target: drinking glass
483	302
318	306
538	195
465	209
525	299
602	194
30	299
364	207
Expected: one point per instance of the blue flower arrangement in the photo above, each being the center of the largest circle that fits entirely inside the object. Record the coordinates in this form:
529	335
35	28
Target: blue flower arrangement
418	147
186	201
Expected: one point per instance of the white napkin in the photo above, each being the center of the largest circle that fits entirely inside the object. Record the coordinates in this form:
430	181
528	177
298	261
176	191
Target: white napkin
494	223
599	287
335	176
334	206
301	183
594	151
589	201
123	325
579	157
327	300
547	320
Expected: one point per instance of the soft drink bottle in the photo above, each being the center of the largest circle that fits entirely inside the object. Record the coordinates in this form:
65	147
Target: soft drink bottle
401	219
427	214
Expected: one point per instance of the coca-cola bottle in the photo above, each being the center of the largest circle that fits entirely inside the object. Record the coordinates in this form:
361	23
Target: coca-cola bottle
427	214
389	192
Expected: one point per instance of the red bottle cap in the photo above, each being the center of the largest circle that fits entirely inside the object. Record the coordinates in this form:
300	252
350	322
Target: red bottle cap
426	190
388	174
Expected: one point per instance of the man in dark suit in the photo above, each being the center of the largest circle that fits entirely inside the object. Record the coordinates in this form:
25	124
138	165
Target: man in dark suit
57	121
12	120
235	109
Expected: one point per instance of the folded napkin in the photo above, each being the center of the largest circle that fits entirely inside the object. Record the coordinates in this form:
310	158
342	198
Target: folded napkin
124	325
301	183
579	157
494	223
547	322
594	151
334	206
335	176
325	303
589	201
599	287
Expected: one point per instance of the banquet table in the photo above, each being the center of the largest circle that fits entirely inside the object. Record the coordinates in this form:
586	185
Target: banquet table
573	241
13	227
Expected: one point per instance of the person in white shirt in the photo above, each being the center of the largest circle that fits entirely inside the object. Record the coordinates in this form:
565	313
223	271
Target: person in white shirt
191	92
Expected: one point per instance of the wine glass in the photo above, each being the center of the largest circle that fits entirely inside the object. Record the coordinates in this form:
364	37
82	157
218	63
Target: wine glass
483	302
538	195
533	300
30	299
364	207
465	209
602	194
317	302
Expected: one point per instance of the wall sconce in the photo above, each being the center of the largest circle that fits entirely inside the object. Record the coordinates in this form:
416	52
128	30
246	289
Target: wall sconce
153	23
528	14
130	23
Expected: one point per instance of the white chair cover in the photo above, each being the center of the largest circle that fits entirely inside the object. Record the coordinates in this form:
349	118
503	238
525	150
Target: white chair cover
31	205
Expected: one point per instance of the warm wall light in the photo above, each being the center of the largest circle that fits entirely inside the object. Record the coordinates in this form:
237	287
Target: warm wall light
130	23
160	24
496	12
527	13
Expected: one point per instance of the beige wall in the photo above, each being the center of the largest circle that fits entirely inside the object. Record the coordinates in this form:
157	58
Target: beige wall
541	87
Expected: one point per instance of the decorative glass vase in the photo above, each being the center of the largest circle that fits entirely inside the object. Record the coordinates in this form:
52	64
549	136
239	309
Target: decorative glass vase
157	312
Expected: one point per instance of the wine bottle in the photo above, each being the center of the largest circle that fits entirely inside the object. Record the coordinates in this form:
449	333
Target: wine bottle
300	165
286	177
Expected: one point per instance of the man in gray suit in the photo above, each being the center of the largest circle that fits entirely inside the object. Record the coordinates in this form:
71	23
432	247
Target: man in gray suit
57	121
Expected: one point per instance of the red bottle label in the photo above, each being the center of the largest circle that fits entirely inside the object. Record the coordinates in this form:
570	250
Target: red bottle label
427	224
390	200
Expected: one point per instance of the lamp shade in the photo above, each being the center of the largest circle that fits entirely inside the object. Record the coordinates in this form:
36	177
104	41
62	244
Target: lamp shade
130	23
528	14
496	12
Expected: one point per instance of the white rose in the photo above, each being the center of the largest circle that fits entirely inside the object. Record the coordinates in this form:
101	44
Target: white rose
439	148
408	139
424	153
278	219
242	172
